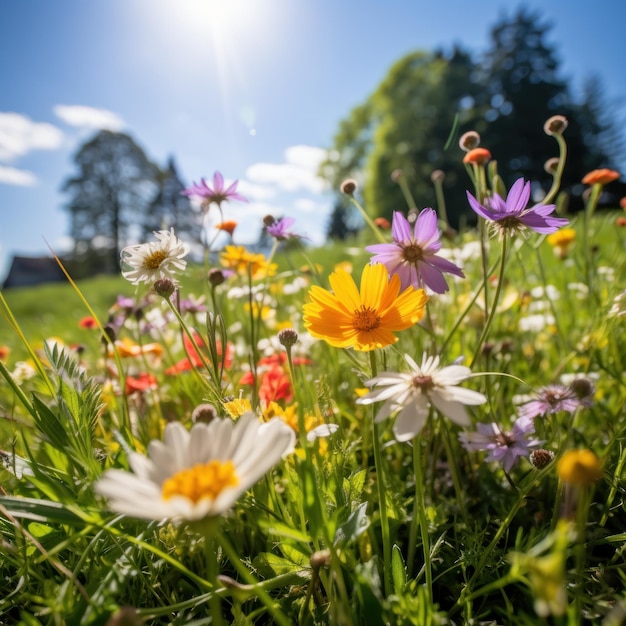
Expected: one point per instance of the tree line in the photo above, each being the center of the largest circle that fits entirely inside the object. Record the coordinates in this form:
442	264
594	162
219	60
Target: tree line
412	121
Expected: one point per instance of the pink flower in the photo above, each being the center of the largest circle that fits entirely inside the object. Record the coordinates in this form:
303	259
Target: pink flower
216	195
413	255
503	446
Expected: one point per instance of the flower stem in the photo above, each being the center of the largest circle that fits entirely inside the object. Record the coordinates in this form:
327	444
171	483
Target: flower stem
382	497
369	221
556	180
211	552
419	518
494	306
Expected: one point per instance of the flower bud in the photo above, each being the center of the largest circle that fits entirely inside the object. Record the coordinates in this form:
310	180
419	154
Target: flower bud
551	166
602	176
348	186
287	337
204	413
438	176
583	388
469	141
479	156
541	458
164	287
216	277
579	467
268	220
555	125
396	175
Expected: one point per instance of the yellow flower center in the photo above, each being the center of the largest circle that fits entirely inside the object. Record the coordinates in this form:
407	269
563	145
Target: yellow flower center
154	261
412	253
201	481
365	319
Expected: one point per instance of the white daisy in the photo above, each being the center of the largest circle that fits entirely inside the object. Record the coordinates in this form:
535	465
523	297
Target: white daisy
148	262
197	473
413	393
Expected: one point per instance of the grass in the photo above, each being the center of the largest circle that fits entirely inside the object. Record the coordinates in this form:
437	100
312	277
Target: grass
352	528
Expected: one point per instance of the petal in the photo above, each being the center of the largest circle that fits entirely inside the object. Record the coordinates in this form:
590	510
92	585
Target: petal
426	226
518	197
400	228
410	420
218	183
451	409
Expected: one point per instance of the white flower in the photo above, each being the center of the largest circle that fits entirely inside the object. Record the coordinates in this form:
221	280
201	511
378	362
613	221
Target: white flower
148	262
198	473
414	392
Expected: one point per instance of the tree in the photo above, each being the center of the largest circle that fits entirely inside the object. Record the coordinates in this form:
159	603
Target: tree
108	198
343	222
522	88
170	209
405	125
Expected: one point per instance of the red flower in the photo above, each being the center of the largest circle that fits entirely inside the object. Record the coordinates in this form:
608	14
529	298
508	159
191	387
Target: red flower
194	360
140	383
87	322
602	176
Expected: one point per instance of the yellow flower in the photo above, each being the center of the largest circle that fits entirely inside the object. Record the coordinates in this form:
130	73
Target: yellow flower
561	241
365	318
579	467
237	407
243	262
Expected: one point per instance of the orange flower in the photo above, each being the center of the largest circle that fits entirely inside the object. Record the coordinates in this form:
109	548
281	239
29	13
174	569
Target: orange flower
480	156
87	322
382	223
602	177
4	353
620	221
141	383
622	203
228	226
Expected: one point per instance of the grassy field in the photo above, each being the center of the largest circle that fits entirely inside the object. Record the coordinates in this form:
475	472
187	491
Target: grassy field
354	525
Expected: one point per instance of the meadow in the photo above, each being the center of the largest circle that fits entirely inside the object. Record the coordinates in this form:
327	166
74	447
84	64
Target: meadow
246	441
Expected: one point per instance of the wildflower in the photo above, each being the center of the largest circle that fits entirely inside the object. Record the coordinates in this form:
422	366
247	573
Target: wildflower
164	287
287	337
620	221
127	348
237	407
363	319
618	308
147	262
413	255
245	263
197	474
503	446
622	203
413	393
5	351
602	176
382	223
561	241
552	399
141	383
216	195
579	467
88	322
541	458
280	229
228	226
478	156
512	215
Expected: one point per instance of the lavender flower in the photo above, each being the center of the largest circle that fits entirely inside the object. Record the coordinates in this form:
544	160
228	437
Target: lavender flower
503	446
280	229
555	398
512	215
413	255
215	195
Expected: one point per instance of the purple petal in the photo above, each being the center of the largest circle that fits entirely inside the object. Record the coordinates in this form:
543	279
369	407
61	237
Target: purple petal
433	278
518	197
446	266
218	182
426	226
479	208
400	228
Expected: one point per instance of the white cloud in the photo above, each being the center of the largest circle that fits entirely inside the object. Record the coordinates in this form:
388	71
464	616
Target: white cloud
299	172
251	191
19	135
88	117
13	176
306	205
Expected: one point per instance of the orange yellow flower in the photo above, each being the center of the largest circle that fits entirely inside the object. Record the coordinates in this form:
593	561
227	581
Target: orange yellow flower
365	318
382	223
237	407
602	176
480	156
228	226
4	353
579	467
243	262
561	241
87	322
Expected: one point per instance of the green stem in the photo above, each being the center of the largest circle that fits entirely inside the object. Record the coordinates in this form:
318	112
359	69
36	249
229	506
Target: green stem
494	306
556	180
382	496
215	602
420	509
369	221
275	611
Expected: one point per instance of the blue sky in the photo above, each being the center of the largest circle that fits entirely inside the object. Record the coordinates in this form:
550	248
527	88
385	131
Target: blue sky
252	88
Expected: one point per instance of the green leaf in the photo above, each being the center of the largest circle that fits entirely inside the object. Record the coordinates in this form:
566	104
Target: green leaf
398	570
356	524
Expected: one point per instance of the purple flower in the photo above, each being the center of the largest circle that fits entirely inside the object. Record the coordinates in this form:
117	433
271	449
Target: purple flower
216	195
280	229
413	255
503	446
555	398
511	215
